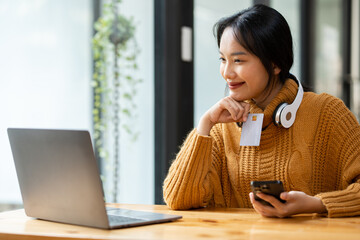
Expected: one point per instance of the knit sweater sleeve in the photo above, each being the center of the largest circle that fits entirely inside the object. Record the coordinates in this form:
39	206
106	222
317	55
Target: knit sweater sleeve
194	173
345	142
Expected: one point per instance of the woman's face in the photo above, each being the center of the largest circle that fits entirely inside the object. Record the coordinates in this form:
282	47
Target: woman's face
244	73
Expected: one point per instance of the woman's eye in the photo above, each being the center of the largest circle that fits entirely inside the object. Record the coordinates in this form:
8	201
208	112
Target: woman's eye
222	59
238	60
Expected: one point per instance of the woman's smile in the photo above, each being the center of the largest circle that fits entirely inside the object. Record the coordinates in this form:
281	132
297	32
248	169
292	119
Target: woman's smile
235	85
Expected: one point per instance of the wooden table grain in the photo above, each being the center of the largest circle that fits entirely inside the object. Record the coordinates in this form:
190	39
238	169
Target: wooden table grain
215	223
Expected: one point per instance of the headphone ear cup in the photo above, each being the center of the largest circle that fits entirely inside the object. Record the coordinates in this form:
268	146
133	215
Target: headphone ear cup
277	114
287	116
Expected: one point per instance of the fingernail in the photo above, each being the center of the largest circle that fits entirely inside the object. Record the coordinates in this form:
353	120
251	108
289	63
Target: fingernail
283	195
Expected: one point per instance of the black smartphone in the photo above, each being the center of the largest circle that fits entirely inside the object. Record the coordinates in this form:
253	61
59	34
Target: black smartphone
273	188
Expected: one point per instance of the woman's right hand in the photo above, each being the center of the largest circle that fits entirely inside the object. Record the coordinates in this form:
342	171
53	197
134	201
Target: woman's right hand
225	111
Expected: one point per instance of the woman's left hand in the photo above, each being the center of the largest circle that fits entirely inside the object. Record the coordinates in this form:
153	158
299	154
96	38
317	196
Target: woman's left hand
296	202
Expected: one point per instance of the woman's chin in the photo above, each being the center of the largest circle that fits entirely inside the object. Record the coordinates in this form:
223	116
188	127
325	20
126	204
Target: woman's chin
237	97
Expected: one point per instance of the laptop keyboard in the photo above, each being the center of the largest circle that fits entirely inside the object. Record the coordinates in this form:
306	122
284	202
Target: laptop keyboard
117	220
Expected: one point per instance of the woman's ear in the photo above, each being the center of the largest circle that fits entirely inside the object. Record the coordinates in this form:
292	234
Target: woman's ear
276	69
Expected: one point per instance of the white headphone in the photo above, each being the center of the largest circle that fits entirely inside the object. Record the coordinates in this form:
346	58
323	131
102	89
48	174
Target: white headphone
284	114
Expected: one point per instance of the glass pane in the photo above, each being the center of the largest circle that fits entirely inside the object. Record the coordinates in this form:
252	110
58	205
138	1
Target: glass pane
209	85
328	61
45	72
136	162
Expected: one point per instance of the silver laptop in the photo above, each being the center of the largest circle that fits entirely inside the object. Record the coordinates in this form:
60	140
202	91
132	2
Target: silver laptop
59	180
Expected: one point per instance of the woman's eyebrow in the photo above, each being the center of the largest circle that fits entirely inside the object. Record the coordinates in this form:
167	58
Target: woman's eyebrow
235	53
238	53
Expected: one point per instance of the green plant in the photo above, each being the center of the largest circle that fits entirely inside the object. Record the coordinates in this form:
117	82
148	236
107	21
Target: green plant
114	52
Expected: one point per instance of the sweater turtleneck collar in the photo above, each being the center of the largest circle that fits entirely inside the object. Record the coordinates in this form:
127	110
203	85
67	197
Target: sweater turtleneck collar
287	94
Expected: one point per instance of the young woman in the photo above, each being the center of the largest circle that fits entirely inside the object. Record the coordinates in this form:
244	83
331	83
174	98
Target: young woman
317	158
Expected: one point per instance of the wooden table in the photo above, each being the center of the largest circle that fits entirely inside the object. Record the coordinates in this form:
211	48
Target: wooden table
196	224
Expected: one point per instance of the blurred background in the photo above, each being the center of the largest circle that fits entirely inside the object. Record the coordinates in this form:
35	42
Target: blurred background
47	76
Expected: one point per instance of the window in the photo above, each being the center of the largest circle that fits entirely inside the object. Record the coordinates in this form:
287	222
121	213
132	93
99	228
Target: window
46	83
136	162
45	72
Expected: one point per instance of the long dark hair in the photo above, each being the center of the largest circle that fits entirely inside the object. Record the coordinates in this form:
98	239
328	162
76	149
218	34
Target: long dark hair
264	32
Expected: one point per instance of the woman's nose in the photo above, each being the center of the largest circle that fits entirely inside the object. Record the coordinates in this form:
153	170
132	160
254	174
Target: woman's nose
228	72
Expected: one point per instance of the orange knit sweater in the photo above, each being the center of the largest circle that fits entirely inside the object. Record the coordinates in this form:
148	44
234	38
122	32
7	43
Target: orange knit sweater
319	155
